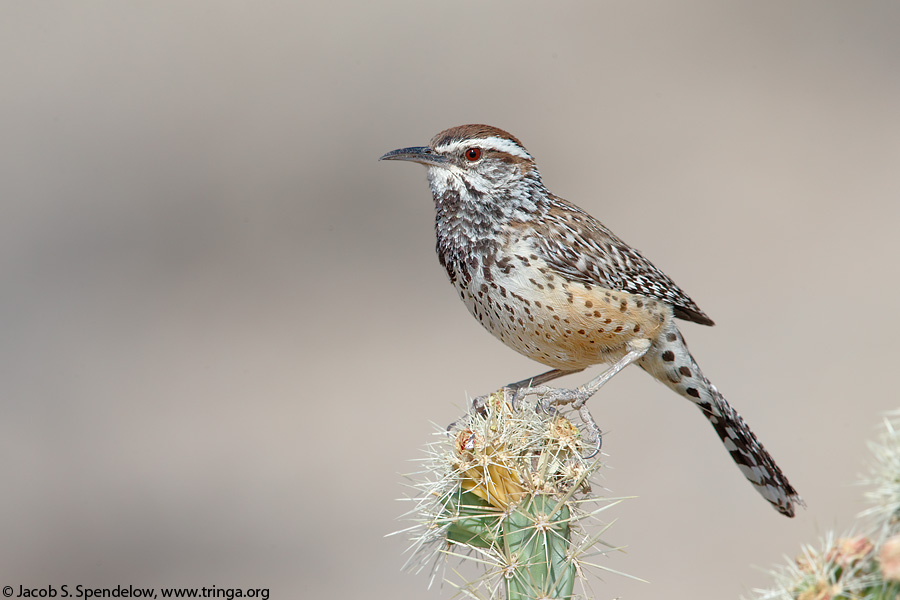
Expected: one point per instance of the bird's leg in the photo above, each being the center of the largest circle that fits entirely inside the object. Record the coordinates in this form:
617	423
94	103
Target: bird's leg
517	389
520	388
542	378
579	396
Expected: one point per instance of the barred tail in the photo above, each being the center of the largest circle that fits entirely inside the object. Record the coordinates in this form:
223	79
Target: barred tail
669	361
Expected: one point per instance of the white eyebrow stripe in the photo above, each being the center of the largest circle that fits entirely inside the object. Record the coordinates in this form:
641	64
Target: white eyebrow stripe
492	143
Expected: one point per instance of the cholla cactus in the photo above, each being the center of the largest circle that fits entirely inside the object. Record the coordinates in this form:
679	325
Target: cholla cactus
863	567
883	479
509	492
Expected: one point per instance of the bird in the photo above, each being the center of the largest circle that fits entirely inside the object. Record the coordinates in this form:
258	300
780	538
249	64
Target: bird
553	283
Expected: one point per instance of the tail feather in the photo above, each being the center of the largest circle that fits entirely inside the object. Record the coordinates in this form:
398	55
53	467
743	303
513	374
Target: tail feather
751	457
669	361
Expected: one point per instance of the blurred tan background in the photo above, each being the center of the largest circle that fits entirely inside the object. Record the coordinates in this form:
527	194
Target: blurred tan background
225	332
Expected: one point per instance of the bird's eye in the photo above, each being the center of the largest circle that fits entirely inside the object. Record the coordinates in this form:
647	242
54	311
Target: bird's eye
473	154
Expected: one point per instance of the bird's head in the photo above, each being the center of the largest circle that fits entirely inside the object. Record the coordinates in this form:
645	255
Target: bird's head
473	160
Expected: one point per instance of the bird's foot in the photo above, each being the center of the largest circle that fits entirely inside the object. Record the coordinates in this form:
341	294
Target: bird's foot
480	403
505	394
549	398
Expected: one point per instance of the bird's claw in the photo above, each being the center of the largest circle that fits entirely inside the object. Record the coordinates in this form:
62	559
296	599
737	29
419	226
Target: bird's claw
595	434
480	402
549	398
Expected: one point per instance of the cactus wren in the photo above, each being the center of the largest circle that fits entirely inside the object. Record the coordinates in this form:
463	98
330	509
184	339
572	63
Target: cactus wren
554	284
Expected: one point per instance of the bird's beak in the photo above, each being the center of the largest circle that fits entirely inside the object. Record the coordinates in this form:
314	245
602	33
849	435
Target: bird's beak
420	154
